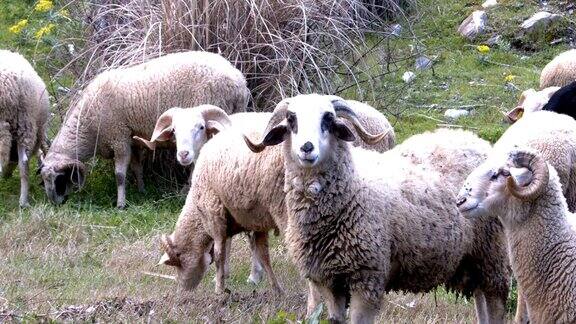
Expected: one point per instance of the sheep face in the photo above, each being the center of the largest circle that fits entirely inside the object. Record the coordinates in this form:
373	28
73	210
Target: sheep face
530	101
309	124
500	183
189	128
61	178
190	260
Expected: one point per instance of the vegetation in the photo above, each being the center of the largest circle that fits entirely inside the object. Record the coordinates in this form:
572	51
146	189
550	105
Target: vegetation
85	260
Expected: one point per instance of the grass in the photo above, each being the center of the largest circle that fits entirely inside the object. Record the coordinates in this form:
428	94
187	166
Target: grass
84	260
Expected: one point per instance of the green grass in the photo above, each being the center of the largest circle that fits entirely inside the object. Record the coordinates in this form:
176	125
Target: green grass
87	252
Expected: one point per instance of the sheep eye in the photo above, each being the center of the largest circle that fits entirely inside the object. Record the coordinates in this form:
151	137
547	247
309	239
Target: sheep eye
202	127
505	173
494	176
291	119
327	121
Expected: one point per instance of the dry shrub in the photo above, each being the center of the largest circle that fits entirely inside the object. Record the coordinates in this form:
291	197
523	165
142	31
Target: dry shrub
283	47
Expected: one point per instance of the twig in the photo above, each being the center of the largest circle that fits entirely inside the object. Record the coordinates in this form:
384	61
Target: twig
159	275
456	126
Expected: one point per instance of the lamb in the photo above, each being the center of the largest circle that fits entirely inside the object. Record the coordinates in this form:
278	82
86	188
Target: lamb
126	102
24	106
362	223
560	71
530	101
525	193
253	205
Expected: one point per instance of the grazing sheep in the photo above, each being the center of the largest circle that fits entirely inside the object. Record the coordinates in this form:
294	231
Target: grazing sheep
563	101
525	193
560	71
125	102
24	108
530	101
362	223
255	206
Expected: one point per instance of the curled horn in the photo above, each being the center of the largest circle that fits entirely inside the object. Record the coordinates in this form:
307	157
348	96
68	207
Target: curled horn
537	165
343	110
214	113
277	116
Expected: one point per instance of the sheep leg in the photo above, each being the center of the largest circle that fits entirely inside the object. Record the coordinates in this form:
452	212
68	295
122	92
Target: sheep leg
220	253
361	311
335	303
256	270
521	316
121	163
495	308
227	257
23	168
481	309
136	165
314	299
261	244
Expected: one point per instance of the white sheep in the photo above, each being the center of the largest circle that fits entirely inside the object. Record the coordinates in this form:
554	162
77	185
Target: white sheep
254	205
362	223
24	108
560	71
530	101
125	102
524	192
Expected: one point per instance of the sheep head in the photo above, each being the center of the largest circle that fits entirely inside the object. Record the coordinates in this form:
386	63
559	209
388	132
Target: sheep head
503	181
190	128
311	124
190	260
530	101
60	176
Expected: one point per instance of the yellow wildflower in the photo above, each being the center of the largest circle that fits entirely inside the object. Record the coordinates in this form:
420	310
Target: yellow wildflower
483	49
65	13
18	27
44	5
509	78
44	31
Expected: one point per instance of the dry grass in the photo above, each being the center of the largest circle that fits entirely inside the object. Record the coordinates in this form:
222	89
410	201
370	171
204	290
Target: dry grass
60	265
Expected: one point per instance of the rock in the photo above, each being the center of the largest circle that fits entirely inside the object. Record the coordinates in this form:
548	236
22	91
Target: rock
455	113
494	40
489	4
474	25
408	76
538	22
423	63
396	30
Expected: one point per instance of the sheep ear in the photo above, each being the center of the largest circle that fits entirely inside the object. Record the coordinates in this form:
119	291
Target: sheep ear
342	132
522	176
163	131
169	257
513	115
213	127
276	135
144	143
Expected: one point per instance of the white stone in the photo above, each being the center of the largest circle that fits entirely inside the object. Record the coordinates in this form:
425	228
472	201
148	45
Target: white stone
538	20
456	113
408	76
474	25
489	4
423	63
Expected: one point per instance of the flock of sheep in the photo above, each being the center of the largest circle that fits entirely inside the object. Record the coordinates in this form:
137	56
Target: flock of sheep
360	216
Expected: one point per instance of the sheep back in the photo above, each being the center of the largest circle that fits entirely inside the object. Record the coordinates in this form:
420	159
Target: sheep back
560	71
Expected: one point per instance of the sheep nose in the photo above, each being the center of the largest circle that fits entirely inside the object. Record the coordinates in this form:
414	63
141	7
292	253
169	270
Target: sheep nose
183	154
307	147
460	201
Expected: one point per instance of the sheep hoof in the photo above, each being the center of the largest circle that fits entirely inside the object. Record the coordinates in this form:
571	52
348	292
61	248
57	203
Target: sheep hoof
254	278
24	204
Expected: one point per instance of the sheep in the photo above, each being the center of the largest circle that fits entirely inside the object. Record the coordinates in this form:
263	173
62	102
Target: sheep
126	102
563	101
530	101
524	191
24	107
560	71
362	223
224	155
554	136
